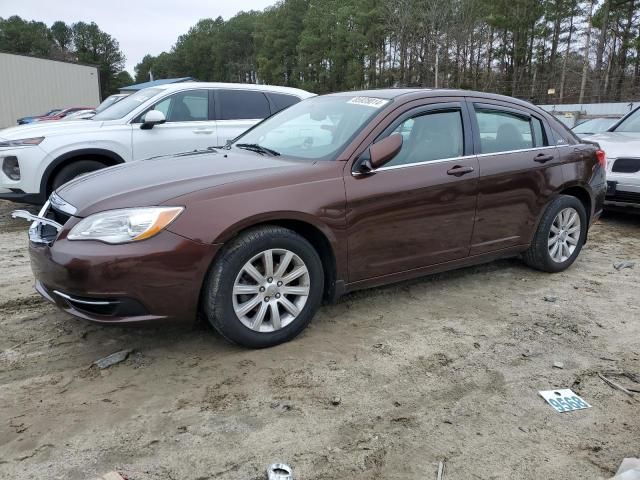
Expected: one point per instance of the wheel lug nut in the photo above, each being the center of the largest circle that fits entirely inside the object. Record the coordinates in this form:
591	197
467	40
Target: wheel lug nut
277	295
261	289
279	284
269	279
266	299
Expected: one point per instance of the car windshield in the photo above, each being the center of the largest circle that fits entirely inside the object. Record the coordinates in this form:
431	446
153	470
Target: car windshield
107	102
630	124
314	129
595	125
127	105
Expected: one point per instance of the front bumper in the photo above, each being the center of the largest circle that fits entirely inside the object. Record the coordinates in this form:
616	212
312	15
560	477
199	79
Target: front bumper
623	193
151	280
26	187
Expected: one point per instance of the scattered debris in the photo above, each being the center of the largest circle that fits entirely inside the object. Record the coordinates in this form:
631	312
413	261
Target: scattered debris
559	365
629	470
615	385
563	400
625	264
441	466
550	299
336	401
608	359
112	359
279	471
111	476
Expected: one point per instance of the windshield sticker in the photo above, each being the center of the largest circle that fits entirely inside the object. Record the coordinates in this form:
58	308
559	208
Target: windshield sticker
369	101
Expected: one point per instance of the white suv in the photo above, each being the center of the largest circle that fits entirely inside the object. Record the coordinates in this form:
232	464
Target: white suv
621	143
37	158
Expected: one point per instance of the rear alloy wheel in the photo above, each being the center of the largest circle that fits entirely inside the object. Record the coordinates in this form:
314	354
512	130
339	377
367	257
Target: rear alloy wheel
559	237
564	235
264	288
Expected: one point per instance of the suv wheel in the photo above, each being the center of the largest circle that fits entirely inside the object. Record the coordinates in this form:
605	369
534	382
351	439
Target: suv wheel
265	288
559	237
73	170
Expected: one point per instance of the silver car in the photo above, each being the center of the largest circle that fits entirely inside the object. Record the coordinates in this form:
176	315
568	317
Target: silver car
621	144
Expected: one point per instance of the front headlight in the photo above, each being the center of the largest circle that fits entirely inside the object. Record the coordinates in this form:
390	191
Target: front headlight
124	225
22	142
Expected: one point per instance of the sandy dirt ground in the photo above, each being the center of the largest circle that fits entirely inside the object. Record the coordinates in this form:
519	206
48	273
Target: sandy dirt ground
447	367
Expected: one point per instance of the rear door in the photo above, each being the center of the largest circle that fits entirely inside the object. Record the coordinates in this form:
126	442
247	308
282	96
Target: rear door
239	110
519	172
188	127
418	210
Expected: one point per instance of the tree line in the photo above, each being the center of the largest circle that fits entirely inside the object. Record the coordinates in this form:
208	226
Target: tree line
79	42
546	51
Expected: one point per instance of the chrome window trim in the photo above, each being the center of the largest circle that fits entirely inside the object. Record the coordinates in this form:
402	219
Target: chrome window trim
414	164
464	157
533	149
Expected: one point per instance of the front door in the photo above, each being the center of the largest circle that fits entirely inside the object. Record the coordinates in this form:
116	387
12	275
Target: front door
188	126
418	210
519	173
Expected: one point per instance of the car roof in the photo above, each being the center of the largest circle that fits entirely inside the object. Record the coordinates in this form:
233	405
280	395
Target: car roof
174	87
408	94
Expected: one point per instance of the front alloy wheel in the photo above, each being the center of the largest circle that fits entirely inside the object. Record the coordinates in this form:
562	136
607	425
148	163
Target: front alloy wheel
264	288
271	290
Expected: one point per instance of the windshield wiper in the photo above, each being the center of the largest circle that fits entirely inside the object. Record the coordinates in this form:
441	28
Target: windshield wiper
254	147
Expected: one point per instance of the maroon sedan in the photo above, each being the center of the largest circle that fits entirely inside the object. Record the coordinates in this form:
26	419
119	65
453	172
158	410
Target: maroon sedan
59	115
336	193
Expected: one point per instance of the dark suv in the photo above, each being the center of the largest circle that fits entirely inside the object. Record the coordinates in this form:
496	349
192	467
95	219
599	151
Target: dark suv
336	193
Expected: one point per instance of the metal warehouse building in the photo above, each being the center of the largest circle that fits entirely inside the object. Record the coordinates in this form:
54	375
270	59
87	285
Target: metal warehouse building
33	86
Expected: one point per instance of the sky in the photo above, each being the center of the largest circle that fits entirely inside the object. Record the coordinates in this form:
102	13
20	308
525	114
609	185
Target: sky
141	26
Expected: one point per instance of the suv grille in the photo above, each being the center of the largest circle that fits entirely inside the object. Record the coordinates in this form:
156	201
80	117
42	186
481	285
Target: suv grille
626	165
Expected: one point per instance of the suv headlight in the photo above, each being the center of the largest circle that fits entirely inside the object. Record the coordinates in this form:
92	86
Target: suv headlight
124	225
22	142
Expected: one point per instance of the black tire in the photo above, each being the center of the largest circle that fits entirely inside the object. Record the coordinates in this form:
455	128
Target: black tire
538	255
73	170
218	289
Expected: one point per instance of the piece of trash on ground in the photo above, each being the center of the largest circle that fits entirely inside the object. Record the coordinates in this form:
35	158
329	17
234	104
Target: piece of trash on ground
615	385
111	476
563	400
549	298
441	467
279	471
629	470
559	365
625	264
112	359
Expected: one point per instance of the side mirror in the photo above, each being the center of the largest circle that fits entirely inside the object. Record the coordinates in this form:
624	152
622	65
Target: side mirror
379	153
152	118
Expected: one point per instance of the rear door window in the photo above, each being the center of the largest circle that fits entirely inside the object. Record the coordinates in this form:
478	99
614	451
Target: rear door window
242	105
503	131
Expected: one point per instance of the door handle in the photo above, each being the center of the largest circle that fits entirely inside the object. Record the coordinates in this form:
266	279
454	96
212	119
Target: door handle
203	131
542	158
459	170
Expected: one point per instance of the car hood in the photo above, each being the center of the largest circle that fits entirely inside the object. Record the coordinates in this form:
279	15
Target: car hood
618	144
157	180
46	129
